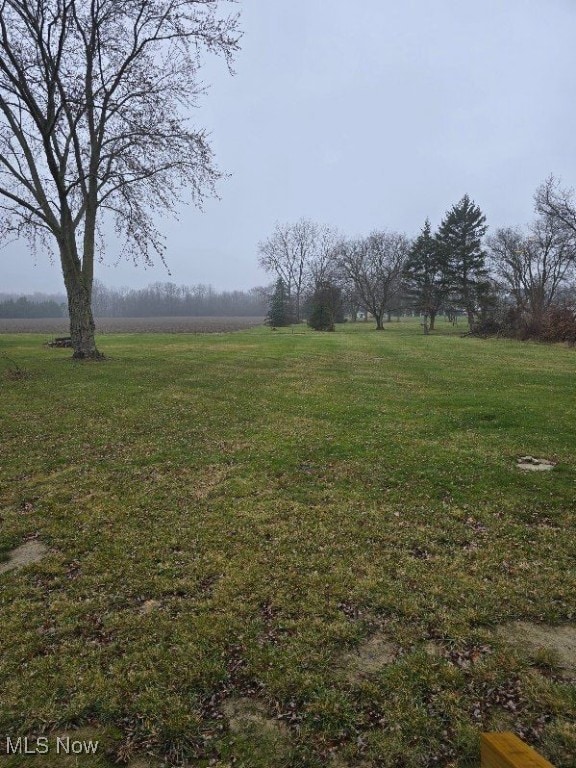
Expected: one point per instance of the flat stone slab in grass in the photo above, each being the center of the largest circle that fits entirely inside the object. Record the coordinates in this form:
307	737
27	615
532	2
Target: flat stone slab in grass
561	640
29	552
371	656
531	464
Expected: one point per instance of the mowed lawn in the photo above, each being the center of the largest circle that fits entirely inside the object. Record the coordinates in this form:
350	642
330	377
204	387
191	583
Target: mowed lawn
269	548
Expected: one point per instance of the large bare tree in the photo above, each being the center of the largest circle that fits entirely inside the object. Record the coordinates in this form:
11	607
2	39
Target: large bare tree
533	266
374	266
289	253
93	100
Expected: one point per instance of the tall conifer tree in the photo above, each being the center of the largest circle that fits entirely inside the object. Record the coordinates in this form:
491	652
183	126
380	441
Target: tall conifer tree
460	240
425	276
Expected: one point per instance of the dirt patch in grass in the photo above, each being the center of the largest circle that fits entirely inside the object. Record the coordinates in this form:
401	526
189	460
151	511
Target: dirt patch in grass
561	640
246	714
211	479
370	657
532	464
434	649
29	552
257	739
338	762
149	606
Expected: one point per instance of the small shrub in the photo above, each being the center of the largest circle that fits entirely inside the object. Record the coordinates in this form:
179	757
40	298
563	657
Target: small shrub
487	327
559	325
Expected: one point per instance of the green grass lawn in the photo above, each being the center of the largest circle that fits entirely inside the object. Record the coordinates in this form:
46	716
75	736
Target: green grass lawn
287	549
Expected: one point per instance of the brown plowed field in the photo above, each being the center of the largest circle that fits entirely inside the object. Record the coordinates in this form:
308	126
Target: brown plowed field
60	326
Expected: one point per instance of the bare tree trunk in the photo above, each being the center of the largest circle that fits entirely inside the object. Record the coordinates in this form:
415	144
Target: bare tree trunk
81	323
432	320
537	317
79	293
379	321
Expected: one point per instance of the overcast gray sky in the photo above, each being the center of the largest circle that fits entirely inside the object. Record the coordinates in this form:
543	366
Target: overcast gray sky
364	115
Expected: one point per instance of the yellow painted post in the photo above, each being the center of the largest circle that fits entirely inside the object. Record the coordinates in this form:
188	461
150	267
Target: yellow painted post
506	750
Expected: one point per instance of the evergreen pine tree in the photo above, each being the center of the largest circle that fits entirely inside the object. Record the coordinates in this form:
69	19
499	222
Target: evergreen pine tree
460	240
279	313
425	276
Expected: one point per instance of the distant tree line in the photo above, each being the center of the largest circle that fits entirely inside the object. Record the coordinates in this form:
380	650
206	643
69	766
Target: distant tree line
157	300
31	306
171	300
517	281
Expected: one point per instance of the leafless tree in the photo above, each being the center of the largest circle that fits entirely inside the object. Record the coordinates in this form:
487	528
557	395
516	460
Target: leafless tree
557	204
92	123
533	266
288	253
374	266
323	264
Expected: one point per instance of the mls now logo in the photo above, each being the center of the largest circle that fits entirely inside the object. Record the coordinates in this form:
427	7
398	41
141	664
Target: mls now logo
62	745
25	746
68	746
